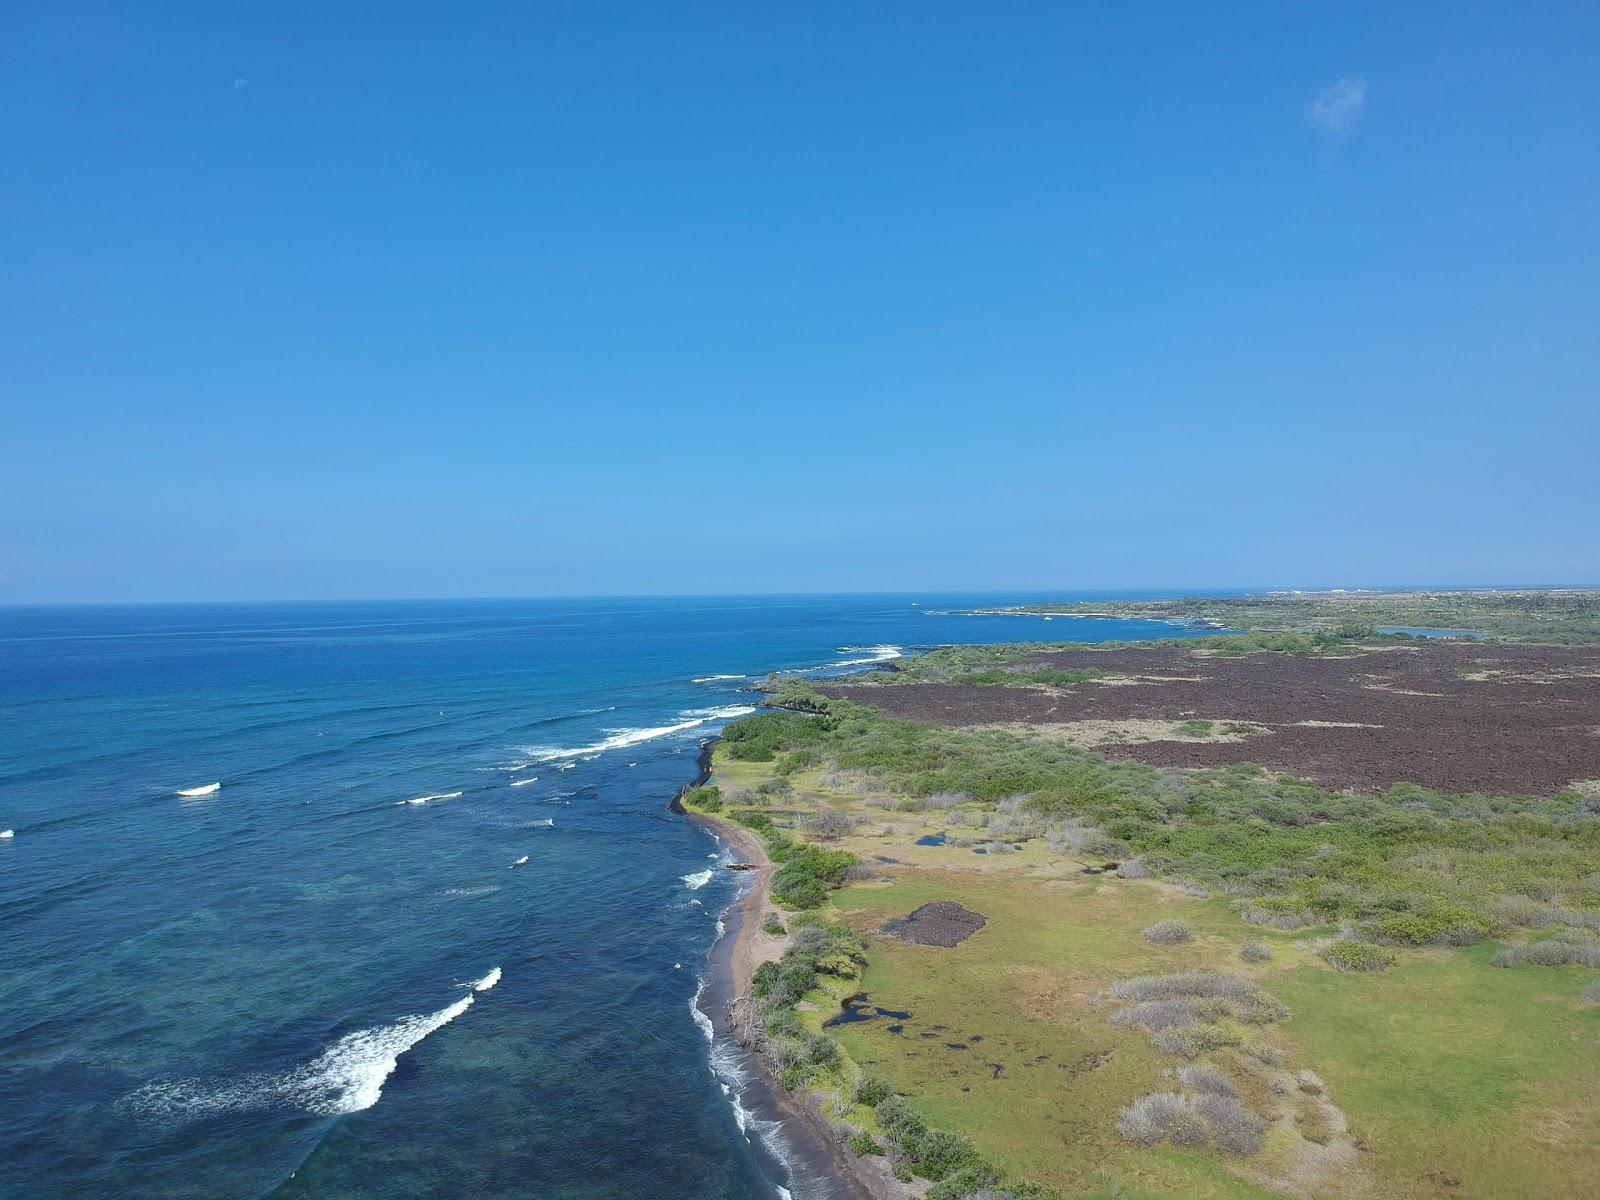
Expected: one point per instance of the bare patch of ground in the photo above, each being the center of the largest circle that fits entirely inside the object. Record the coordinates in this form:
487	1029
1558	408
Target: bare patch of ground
940	923
1094	734
1365	722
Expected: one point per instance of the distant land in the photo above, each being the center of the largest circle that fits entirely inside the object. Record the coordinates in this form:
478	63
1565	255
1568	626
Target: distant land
1549	615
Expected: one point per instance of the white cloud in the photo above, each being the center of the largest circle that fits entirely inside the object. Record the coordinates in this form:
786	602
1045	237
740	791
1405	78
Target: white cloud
1335	108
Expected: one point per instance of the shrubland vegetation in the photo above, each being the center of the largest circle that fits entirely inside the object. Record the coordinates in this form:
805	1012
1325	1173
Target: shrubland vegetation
1412	867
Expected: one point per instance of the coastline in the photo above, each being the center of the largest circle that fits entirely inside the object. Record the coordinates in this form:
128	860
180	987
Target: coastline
818	1146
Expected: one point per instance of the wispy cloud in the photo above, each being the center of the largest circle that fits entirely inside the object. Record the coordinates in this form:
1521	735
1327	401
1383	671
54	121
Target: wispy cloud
1335	108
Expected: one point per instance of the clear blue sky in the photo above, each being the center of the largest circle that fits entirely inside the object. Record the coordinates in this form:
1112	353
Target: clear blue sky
322	300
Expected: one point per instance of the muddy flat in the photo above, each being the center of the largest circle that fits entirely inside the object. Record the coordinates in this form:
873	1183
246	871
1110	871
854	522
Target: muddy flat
1457	716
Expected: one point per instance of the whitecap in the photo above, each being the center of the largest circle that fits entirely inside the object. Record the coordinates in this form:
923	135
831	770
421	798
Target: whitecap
7	834
480	890
697	880
521	862
488	981
717	678
205	790
430	799
524	782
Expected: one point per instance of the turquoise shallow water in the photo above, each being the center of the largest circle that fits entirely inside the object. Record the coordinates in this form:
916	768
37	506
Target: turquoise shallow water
328	977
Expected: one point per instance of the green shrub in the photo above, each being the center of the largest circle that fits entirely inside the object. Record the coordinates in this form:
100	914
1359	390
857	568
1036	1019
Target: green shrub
807	873
772	926
759	738
872	1090
703	799
1439	926
1347	955
863	1144
941	1153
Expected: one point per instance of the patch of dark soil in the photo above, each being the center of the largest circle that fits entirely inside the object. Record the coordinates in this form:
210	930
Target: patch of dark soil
1458	716
939	923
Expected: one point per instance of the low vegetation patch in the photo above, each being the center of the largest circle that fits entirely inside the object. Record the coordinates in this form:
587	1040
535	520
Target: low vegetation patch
1187	1119
1255	952
1194	1012
1563	950
1167	933
1344	954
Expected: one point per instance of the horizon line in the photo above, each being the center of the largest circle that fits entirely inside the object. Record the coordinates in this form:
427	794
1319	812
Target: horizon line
1181	592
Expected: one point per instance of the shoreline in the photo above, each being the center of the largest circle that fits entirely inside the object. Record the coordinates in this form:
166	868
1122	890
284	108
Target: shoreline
820	1147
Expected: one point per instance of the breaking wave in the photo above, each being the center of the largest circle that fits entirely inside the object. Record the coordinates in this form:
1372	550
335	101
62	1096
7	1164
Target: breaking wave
346	1077
876	654
697	880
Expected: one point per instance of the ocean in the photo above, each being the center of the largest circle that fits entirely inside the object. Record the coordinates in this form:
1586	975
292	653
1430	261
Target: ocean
351	900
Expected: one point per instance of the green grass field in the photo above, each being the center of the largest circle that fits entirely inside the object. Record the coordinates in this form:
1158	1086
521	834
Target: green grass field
1457	1079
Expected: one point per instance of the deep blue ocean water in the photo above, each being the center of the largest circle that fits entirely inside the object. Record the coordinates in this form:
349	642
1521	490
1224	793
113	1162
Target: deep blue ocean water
328	978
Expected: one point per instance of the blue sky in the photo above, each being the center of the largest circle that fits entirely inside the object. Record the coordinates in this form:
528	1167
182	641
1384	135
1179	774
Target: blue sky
332	300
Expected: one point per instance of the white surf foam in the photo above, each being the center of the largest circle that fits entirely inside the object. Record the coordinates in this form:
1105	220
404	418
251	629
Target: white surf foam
346	1077
430	799
206	790
618	738
717	678
521	862
488	981
702	1021
726	712
7	834
875	654
524	782
698	880
480	890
